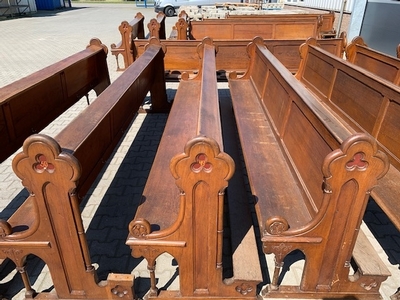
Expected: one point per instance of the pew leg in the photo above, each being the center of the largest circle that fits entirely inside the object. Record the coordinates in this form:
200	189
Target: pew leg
153	288
29	291
277	270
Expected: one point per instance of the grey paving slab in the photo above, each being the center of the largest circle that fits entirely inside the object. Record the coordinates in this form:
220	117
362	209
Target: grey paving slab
34	42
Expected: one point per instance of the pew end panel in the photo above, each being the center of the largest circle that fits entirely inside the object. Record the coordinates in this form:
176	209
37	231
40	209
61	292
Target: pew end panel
51	175
129	31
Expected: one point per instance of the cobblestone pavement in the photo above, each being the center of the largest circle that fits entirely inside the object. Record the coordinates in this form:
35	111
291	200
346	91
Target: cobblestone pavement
33	42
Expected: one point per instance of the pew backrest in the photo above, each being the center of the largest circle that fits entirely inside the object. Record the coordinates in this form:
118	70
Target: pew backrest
31	103
365	102
273	26
231	55
379	63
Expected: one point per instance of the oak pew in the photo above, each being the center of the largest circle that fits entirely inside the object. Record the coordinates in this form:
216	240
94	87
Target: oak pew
273	26
58	171
181	56
379	63
182	213
31	103
310	178
366	102
129	31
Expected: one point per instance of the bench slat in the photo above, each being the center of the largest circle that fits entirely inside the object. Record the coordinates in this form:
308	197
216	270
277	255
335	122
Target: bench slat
175	135
261	148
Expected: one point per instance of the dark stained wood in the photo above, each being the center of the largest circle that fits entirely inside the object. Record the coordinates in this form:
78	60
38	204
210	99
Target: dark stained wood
129	31
181	56
182	213
381	64
308	195
366	102
31	103
56	172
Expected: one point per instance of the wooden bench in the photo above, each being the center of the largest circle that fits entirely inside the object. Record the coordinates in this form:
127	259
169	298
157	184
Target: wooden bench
182	213
181	55
31	103
129	31
272	26
58	172
379	63
310	179
366	102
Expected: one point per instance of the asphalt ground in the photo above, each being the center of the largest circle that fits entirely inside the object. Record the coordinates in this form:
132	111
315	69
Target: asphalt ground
32	42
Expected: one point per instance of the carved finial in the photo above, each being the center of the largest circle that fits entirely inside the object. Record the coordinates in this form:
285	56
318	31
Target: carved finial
250	48
98	43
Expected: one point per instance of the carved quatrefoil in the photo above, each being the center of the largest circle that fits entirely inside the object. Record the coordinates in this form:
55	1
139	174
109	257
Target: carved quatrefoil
357	163
43	165
201	164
